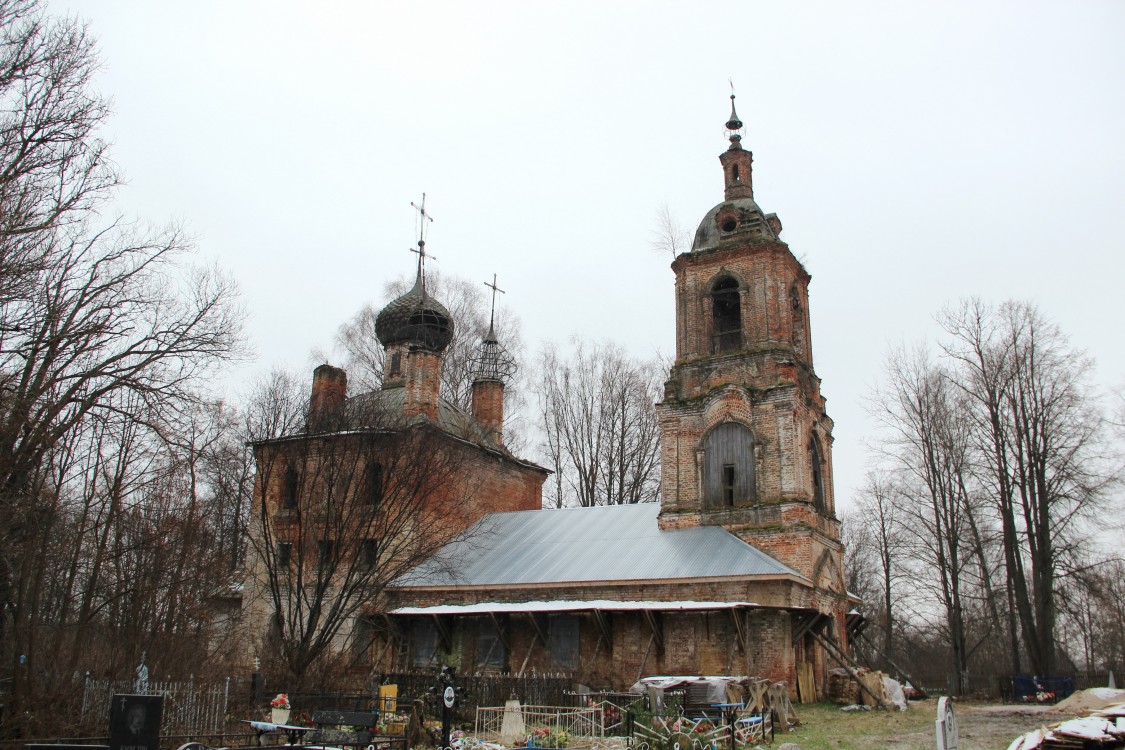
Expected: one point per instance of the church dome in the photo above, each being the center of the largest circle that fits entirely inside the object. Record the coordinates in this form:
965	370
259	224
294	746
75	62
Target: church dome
741	218
415	318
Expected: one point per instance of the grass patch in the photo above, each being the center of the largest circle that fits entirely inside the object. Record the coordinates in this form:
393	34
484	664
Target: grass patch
825	727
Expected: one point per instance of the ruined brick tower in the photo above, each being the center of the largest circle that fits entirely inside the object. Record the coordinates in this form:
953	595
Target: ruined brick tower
745	438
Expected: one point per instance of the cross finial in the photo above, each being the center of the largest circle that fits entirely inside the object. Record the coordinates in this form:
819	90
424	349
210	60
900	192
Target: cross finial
495	289
423	219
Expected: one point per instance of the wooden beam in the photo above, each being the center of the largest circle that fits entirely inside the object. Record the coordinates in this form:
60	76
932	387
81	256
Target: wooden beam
537	627
909	679
644	660
810	621
501	632
603	626
739	630
842	659
654	626
444	633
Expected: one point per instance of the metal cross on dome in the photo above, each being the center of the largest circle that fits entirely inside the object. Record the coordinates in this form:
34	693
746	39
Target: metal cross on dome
495	289
424	217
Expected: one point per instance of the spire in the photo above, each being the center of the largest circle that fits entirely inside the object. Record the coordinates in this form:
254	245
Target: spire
492	361
737	162
734	125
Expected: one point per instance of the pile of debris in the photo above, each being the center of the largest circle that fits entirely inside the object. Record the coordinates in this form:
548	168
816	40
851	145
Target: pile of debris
1101	729
865	688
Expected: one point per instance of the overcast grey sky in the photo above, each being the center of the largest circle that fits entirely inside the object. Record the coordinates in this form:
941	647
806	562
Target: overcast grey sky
916	153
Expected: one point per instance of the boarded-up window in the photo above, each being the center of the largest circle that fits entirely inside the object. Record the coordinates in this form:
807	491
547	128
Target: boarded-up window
562	638
425	644
490	648
728	471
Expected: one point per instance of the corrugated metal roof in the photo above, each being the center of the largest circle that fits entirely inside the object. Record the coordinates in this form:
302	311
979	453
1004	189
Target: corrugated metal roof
612	543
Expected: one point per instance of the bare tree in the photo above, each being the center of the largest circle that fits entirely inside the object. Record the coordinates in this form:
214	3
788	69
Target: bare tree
878	511
929	447
107	337
598	416
340	513
668	235
1040	437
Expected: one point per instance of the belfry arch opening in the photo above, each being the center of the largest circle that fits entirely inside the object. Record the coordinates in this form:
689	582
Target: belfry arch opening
726	315
816	466
728	470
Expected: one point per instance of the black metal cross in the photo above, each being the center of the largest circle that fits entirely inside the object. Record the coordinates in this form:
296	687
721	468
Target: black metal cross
423	218
495	289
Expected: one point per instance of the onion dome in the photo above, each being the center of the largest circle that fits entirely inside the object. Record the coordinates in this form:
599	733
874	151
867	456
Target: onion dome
415	318
492	361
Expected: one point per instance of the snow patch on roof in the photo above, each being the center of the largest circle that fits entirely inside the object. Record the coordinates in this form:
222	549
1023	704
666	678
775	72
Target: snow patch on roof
564	605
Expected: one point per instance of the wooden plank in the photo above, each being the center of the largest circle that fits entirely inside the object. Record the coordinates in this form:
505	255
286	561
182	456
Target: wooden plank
654	626
644	660
739	630
603	625
501	632
444	633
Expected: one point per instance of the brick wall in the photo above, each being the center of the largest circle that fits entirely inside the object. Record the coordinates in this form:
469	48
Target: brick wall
488	406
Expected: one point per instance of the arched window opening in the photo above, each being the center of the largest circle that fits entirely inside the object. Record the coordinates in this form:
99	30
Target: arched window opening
726	315
396	363
735	172
817	475
290	489
728	471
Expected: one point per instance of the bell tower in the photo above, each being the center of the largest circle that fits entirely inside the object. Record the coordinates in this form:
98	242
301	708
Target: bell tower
746	442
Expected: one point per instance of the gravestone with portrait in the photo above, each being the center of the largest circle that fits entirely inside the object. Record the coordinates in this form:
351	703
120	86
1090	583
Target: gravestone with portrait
134	722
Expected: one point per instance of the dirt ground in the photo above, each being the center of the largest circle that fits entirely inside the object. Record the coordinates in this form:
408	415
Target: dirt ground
981	726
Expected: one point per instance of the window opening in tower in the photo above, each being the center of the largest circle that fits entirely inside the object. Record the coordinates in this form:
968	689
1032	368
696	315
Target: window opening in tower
290	489
726	315
817	478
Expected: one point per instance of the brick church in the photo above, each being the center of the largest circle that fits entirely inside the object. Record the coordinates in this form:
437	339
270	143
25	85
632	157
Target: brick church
737	571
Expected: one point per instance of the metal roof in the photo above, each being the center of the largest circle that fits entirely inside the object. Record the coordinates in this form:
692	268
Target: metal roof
616	543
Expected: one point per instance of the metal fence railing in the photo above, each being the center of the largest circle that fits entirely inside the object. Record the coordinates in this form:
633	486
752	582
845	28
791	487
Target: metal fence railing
189	707
547	722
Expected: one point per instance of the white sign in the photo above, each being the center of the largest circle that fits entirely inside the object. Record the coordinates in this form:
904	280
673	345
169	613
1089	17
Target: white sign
448	697
946	726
